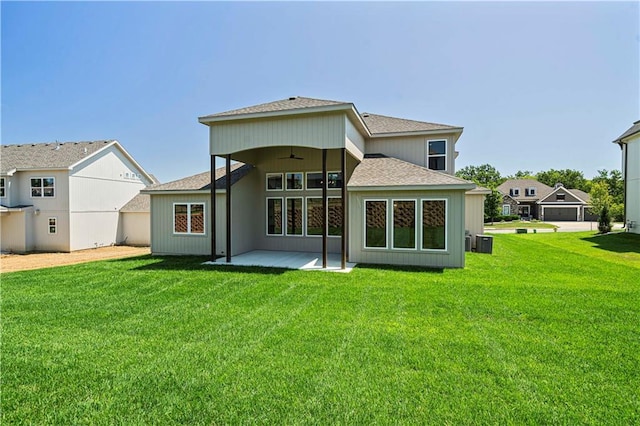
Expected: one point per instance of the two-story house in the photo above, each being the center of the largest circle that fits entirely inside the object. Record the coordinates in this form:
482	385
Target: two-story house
66	196
318	176
629	143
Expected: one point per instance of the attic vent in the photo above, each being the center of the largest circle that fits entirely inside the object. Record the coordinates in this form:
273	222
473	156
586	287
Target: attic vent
365	114
293	98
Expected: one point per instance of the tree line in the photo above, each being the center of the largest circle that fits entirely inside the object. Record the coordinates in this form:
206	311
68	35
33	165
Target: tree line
606	189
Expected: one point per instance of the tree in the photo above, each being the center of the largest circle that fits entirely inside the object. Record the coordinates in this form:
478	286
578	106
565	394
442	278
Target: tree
614	185
492	204
485	175
599	196
523	174
604	220
572	179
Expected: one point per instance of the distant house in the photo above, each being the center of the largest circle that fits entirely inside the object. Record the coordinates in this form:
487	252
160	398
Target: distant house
315	175
629	142
66	196
531	199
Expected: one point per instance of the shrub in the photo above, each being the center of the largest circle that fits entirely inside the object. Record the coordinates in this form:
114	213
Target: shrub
604	220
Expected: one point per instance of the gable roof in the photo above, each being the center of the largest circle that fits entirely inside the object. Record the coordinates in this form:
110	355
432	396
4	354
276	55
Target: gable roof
288	104
381	124
630	132
542	190
581	196
381	172
139	203
56	155
202	181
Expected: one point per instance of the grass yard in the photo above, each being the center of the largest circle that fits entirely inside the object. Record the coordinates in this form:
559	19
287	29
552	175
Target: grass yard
544	331
519	224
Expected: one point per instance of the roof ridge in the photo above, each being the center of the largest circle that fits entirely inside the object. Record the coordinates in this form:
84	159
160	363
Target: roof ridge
364	114
57	143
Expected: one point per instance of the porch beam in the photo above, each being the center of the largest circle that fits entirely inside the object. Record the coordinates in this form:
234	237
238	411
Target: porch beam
343	237
228	197
324	208
212	209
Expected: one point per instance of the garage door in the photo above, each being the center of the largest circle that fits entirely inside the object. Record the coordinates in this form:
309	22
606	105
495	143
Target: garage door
556	214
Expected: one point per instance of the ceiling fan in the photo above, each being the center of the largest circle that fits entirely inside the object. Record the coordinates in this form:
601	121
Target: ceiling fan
291	156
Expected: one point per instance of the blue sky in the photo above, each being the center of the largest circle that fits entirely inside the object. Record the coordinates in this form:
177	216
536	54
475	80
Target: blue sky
535	85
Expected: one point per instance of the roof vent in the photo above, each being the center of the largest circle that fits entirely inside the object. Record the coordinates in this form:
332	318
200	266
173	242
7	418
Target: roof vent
558	185
365	114
293	98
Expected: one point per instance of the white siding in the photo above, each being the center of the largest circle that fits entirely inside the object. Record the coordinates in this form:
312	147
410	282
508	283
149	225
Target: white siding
93	229
16	235
632	175
354	140
474	215
134	229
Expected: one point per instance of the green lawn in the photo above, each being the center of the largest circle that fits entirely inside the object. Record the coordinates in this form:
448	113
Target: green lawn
544	331
519	224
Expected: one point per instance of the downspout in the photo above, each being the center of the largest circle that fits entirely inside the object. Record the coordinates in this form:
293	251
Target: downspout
625	161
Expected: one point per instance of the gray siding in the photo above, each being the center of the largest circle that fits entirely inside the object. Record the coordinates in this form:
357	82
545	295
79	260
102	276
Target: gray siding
453	257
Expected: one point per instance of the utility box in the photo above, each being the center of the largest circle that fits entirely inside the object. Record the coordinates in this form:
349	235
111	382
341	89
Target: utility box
484	244
467	243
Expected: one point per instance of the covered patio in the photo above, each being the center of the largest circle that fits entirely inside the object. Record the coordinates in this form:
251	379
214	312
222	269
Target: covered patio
304	261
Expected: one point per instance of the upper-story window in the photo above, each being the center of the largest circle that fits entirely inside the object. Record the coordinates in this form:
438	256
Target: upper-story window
437	155
514	192
294	181
274	181
2	187
560	196
43	187
530	192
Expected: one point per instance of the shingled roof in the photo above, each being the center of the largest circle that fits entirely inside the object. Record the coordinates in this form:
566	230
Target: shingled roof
292	103
382	171
139	203
380	124
202	181
632	131
38	156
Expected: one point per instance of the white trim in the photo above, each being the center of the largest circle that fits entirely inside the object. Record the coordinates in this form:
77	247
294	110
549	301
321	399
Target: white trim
415	224
286	181
574	206
446	225
386	224
286	216
266	181
189	232
508	208
42	186
266	229
445	155
306	231
306	181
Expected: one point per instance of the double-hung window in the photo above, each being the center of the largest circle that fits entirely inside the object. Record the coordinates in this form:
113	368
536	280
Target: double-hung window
43	187
188	218
437	155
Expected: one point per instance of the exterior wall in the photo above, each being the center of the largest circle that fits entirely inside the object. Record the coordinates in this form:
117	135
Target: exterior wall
632	182
11	186
412	149
320	131
97	191
134	229
453	257
474	215
354	140
16	235
511	202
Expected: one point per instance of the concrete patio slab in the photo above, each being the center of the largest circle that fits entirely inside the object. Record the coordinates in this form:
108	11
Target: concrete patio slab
304	261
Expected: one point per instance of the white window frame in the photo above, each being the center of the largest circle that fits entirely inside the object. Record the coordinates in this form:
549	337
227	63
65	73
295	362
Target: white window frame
327	177
286	181
54	226
532	191
445	155
3	187
306	230
189	232
446	225
285	217
386	224
266	182
42	187
516	192
282	217
306	181
415	224
506	210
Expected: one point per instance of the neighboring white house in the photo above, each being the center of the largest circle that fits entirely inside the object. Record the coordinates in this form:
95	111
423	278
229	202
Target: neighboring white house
317	176
66	196
629	142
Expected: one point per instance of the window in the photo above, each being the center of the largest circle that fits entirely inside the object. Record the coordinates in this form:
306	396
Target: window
375	224
274	216
2	187
314	180
314	216
188	218
53	225
334	216
437	155
560	196
274	181
515	192
404	224
294	181
506	210
334	180
294	216
531	191
42	187
434	224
